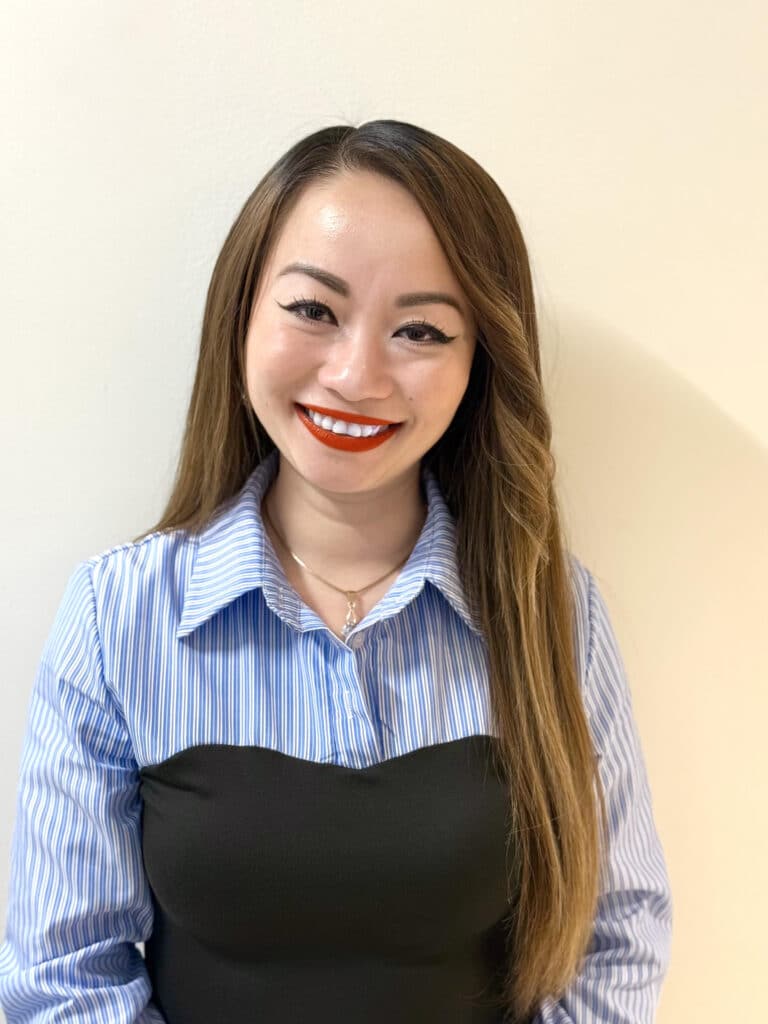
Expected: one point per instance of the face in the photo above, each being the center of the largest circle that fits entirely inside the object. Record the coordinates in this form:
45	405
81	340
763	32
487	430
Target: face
353	339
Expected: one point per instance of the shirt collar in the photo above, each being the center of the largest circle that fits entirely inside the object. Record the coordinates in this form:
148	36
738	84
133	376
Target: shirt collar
233	555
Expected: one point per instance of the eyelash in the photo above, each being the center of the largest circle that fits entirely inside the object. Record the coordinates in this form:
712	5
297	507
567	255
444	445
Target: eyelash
440	338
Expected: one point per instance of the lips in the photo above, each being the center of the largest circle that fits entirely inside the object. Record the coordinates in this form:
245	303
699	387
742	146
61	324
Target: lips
344	442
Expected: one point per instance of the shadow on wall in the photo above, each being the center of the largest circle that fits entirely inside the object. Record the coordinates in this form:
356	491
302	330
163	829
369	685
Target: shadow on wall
665	499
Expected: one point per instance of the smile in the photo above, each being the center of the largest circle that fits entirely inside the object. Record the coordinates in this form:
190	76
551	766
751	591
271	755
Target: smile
344	435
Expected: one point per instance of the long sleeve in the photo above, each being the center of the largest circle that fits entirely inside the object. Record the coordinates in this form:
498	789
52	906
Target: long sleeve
78	899
628	957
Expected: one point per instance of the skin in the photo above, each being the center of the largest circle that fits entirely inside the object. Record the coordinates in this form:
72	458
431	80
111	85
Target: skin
353	515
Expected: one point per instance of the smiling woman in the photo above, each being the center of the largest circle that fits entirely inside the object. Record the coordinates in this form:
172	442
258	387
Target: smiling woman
346	736
361	360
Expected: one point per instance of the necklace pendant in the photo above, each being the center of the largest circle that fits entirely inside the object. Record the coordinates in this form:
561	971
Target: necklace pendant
351	620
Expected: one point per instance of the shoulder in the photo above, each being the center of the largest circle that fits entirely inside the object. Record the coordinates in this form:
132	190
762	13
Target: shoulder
130	586
151	561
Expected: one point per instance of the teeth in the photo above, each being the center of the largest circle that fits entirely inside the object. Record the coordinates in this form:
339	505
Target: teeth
342	427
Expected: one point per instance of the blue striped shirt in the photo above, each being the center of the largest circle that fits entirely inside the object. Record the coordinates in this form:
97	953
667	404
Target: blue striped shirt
175	641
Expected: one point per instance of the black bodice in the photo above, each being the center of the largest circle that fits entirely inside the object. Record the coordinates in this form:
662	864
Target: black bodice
292	891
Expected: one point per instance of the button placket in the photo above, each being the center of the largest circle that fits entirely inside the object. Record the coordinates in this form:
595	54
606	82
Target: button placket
355	701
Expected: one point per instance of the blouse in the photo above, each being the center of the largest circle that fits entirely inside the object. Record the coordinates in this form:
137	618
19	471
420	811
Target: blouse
183	675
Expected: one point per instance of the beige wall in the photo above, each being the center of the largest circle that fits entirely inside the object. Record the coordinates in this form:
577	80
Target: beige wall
630	139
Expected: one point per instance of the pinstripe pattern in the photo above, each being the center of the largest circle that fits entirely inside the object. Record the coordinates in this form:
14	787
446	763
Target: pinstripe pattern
168	643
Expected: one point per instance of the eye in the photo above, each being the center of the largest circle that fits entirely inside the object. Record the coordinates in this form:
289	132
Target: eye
307	309
313	305
439	337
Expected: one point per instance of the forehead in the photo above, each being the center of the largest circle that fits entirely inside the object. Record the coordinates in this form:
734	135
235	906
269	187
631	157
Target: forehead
361	218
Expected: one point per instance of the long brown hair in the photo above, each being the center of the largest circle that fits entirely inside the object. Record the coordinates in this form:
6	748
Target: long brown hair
496	471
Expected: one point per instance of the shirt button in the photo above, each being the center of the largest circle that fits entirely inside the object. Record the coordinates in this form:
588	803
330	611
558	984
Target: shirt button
356	641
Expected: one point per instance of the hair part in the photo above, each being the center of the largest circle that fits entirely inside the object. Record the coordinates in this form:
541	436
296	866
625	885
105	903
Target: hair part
495	468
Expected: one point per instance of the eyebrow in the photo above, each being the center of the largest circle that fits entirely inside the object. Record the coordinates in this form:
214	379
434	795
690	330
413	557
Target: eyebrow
337	284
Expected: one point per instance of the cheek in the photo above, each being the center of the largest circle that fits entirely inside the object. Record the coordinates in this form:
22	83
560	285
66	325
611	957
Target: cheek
439	395
278	356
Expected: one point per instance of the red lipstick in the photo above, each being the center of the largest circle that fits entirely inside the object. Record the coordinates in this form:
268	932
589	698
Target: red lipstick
345	442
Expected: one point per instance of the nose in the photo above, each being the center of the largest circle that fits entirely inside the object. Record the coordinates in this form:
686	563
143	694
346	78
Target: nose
356	367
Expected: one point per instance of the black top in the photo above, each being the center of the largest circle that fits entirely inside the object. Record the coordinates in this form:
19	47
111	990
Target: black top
288	890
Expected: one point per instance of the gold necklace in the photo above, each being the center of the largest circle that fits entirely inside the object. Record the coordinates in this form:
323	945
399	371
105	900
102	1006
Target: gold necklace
351	595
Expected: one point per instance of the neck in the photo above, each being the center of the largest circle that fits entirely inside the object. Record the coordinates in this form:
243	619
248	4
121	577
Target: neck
349	539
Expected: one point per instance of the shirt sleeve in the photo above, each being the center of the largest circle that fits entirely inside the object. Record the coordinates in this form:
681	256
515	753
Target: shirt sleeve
79	900
620	982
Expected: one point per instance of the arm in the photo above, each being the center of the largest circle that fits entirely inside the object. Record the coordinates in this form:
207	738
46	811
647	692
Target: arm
79	899
628	956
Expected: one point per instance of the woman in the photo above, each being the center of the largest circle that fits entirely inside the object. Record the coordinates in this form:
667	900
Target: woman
346	736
